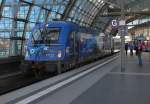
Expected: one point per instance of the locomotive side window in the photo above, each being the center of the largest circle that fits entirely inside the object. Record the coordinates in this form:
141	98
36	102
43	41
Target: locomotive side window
52	35
71	42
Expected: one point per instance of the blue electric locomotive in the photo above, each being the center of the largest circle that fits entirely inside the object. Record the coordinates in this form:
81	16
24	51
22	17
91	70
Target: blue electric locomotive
59	45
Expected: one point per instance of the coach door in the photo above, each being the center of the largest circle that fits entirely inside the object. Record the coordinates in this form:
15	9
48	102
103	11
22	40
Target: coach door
76	48
74	45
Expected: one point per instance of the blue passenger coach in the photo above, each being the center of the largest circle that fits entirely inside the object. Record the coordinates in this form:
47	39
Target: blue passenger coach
59	45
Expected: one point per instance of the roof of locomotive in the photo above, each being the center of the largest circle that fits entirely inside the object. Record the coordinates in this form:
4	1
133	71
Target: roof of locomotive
69	25
66	25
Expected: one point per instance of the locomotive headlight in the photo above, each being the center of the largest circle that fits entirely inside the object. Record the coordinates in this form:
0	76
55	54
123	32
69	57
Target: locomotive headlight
59	54
45	48
32	51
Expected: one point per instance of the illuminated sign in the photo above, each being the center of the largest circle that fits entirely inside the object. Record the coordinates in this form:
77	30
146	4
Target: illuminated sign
114	23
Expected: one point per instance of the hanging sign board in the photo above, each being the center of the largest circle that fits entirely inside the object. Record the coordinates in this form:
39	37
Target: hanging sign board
122	23
114	23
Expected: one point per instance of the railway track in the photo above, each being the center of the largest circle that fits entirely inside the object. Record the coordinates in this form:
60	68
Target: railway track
10	75
17	80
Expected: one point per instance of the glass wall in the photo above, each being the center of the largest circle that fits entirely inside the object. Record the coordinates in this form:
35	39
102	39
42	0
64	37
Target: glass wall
19	17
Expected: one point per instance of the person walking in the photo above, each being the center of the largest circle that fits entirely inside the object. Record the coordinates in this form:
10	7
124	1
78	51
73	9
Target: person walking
139	52
126	48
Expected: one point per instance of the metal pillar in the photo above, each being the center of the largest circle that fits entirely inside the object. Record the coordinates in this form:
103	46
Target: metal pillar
1	7
69	7
122	33
25	27
13	51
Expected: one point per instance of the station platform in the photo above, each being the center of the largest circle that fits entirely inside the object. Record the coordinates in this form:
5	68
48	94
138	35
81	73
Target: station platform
129	86
102	82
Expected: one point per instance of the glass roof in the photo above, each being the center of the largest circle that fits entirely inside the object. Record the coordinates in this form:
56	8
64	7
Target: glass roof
85	11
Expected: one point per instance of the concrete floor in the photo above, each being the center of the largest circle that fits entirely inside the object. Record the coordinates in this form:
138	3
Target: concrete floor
129	87
117	89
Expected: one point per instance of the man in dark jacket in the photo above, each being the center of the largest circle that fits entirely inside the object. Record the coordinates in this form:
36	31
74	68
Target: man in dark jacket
126	48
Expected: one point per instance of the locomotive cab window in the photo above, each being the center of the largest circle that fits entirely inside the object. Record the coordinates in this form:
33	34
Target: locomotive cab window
36	36
46	36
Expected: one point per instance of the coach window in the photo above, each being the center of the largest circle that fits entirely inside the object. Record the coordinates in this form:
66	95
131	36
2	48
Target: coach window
72	41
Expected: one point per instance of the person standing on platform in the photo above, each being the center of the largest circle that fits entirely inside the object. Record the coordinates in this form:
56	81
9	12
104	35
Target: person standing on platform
126	48
139	52
136	47
131	48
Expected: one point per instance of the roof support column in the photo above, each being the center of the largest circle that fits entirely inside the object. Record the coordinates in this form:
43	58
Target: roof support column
13	50
25	27
68	9
38	18
122	34
1	7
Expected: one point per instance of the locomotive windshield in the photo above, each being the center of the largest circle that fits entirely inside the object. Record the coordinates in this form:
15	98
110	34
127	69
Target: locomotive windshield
45	36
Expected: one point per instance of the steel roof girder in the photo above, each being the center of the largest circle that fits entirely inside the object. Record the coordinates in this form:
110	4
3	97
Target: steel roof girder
68	9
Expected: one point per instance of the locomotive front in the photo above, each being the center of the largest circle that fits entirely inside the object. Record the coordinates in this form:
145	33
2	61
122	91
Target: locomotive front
44	45
44	49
